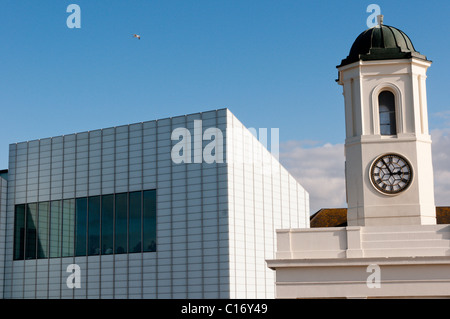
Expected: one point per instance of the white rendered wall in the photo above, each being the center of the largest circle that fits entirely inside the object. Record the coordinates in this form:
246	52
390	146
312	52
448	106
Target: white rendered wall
338	262
263	197
362	82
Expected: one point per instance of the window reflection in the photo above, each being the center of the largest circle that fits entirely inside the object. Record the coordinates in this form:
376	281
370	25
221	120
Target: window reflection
134	234
107	224
55	228
80	226
89	226
121	224
19	231
94	225
68	225
149	220
43	231
30	234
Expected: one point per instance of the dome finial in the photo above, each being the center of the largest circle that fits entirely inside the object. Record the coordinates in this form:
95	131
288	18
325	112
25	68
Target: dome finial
381	42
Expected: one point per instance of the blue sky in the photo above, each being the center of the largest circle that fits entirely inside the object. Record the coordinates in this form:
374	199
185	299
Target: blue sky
272	63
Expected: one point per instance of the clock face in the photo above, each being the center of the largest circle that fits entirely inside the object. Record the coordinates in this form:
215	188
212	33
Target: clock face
391	174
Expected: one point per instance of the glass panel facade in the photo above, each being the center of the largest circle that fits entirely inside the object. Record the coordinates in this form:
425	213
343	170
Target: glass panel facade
134	223
120	246
80	226
149	220
30	234
19	231
107	224
94	225
55	229
43	231
388	123
68	223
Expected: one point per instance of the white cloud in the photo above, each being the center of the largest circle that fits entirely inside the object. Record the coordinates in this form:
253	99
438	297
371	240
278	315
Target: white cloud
442	117
320	169
441	166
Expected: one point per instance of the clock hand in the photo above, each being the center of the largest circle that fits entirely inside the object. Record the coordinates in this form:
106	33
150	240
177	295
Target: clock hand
387	166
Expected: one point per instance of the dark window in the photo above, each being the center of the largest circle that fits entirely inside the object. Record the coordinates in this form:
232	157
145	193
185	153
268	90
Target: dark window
30	235
55	228
43	231
19	232
149	220
121	224
80	226
86	226
68	225
388	123
107	224
94	225
134	233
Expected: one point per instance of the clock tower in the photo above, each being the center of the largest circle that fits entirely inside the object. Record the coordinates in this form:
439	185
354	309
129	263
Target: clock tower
389	173
391	241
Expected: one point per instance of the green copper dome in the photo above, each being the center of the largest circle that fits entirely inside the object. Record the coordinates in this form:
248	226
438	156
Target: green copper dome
382	42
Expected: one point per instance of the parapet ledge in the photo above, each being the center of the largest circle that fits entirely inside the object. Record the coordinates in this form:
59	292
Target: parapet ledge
361	242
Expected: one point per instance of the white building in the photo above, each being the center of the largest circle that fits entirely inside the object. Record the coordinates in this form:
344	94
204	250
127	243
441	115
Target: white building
392	247
182	207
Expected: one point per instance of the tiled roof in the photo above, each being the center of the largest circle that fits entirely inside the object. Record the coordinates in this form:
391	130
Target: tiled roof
329	217
443	215
337	217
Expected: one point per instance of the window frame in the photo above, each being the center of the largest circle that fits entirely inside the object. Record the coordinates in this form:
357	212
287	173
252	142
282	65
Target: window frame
391	113
68	210
375	113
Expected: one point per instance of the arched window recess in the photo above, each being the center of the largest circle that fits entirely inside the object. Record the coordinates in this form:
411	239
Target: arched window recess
386	108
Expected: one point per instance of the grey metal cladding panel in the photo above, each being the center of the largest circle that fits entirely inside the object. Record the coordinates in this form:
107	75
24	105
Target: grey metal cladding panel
122	131
95	136
12	150
45	144
82	138
57	142
148	125
95	153
33	147
21	149
177	120
221	117
192	117
135	129
110	131
209	114
70	141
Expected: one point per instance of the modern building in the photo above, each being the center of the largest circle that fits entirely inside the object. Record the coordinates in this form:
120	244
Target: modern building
389	245
3	194
181	207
